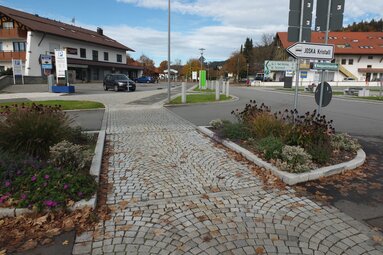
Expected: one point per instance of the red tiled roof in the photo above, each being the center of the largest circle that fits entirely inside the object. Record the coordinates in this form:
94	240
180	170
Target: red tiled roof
36	23
346	43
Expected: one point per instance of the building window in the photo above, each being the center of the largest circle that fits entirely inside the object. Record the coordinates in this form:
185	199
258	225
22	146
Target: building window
2	69
106	56
1	46
95	55
18	46
370	57
344	61
82	53
8	25
351	61
119	58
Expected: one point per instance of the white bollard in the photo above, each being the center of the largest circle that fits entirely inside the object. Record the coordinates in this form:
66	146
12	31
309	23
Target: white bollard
183	93
227	88
217	96
223	87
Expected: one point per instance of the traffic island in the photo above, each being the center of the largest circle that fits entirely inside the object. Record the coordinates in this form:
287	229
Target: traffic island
289	178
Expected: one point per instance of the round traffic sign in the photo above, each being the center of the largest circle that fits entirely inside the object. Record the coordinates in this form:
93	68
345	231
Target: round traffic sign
327	94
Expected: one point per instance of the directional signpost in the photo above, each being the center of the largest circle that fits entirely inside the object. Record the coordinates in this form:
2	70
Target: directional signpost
278	66
311	51
325	66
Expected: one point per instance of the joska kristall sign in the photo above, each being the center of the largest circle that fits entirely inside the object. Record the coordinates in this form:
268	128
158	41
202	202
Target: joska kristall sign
311	51
61	63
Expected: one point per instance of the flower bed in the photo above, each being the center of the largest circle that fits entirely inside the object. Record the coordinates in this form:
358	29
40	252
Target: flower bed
288	141
44	161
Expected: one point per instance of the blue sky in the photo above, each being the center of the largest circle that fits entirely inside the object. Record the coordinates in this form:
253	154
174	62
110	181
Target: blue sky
219	26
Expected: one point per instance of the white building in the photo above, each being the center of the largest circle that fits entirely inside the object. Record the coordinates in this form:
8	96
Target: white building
91	55
359	55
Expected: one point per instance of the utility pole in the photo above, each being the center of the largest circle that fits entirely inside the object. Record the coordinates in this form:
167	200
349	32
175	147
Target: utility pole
298	59
323	72
169	96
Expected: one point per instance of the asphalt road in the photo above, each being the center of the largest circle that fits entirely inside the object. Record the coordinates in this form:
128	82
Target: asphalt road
362	119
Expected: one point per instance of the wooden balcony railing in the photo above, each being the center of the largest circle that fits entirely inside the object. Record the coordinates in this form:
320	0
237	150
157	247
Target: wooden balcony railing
9	55
13	33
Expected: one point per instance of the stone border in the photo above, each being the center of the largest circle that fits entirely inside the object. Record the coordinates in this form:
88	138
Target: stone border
289	178
95	171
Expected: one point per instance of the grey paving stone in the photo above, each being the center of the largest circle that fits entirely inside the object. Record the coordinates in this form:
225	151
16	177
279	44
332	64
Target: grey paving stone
187	195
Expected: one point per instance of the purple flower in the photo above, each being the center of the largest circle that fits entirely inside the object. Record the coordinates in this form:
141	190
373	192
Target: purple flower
66	186
79	194
18	172
23	196
34	178
45	184
46	177
3	198
7	184
50	203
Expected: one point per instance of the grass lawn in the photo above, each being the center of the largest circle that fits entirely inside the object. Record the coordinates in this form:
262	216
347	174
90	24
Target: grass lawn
199	98
65	104
377	98
203	90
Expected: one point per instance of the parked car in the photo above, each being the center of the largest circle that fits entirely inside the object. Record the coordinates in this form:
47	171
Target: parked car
146	79
261	77
118	82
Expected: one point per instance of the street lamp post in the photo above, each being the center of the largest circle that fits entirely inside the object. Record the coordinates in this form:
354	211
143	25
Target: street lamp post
202	49
169	51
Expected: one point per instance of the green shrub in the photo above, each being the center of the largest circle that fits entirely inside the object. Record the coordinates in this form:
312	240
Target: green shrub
235	131
271	147
68	155
320	152
294	159
216	124
33	129
344	142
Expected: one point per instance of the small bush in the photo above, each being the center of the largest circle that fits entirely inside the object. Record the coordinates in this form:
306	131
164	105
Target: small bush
33	129
46	188
271	147
294	159
265	124
235	131
345	142
68	155
216	124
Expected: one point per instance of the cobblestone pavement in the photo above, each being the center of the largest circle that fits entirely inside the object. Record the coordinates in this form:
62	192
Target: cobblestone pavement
175	192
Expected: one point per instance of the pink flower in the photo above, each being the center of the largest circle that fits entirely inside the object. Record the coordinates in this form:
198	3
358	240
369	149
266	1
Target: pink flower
46	177
66	186
23	196
34	178
45	184
79	194
7	184
3	198
50	203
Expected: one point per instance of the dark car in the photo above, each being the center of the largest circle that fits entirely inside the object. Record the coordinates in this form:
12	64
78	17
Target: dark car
146	79
118	82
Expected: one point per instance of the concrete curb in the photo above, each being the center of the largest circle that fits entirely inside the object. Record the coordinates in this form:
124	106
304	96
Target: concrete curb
233	99
95	171
289	178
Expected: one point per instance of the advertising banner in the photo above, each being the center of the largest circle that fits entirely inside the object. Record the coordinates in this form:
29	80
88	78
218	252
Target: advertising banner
61	63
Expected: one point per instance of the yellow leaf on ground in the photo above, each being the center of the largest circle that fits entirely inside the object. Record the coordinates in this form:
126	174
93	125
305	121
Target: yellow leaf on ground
66	242
259	251
3	252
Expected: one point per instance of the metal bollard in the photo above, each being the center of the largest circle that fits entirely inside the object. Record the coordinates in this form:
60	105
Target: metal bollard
217	96
183	92
227	88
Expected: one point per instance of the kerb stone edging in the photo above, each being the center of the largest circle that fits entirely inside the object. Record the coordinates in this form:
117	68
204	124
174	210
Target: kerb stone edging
95	171
289	178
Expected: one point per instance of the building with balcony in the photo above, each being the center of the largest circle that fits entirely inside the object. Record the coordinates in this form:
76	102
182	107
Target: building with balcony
358	54
90	54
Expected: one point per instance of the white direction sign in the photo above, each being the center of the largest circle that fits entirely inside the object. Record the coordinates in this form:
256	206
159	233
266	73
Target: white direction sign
279	65
311	51
61	63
